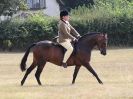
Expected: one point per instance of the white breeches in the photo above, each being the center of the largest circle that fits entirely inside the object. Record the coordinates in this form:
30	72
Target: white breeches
69	51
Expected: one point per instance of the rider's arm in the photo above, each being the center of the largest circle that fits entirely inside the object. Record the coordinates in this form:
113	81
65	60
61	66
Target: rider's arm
65	31
74	32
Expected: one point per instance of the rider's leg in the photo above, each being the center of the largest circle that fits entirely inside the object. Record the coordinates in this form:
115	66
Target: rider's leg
69	51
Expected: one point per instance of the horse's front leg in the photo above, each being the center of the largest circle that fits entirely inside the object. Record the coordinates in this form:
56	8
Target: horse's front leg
75	73
88	67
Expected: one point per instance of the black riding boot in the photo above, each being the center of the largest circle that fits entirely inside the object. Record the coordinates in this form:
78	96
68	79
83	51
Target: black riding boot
64	65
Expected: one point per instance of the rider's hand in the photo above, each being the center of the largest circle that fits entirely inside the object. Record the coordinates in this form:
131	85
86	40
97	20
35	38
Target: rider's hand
78	37
76	40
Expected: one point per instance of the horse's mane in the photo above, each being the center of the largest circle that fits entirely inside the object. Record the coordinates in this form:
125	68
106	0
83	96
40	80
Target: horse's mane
89	34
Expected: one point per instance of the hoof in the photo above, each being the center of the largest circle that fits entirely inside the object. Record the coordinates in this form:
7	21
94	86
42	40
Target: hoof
22	83
73	83
100	82
40	84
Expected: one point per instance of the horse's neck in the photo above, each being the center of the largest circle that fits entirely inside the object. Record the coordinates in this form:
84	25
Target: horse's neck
89	43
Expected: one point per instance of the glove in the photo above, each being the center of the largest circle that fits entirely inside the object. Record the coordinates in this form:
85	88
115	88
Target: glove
76	40
78	37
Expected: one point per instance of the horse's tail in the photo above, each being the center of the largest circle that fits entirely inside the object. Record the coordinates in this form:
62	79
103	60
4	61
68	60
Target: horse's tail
24	59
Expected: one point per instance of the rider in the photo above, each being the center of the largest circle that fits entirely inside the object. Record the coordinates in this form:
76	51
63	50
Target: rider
66	34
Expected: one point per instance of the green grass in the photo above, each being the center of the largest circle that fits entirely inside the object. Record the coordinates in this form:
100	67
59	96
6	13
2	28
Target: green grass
115	70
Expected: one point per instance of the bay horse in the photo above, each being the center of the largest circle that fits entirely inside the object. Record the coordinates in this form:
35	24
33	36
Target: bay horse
48	51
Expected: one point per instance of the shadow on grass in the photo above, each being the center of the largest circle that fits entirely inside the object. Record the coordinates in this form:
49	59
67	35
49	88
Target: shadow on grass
48	85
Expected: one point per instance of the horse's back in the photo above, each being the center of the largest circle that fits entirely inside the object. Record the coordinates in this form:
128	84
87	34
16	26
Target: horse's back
44	43
49	51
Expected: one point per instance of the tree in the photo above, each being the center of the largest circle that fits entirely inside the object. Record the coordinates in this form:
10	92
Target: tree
8	7
68	4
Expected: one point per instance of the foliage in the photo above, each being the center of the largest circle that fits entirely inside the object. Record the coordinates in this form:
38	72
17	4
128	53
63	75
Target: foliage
21	33
109	16
71	4
8	7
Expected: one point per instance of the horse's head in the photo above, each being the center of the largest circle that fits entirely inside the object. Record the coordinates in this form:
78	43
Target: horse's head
102	43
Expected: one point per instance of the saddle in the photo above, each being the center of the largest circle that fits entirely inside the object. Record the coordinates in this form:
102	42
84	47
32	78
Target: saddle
54	40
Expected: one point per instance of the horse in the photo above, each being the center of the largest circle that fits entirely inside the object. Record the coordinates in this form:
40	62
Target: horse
48	51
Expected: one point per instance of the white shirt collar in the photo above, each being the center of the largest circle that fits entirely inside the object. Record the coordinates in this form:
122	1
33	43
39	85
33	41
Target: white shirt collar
66	21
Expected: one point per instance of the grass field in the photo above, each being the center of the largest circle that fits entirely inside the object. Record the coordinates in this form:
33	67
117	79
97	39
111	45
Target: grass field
115	70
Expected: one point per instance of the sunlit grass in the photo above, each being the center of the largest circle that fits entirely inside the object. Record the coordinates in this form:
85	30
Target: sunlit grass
115	70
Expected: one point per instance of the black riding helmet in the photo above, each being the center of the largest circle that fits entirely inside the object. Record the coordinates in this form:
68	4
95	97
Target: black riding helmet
63	13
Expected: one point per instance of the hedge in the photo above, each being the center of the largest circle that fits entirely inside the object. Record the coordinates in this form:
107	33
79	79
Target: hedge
117	22
114	17
18	34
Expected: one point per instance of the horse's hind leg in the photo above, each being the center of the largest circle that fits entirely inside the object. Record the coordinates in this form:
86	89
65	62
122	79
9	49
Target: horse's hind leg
28	72
39	70
88	66
75	73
